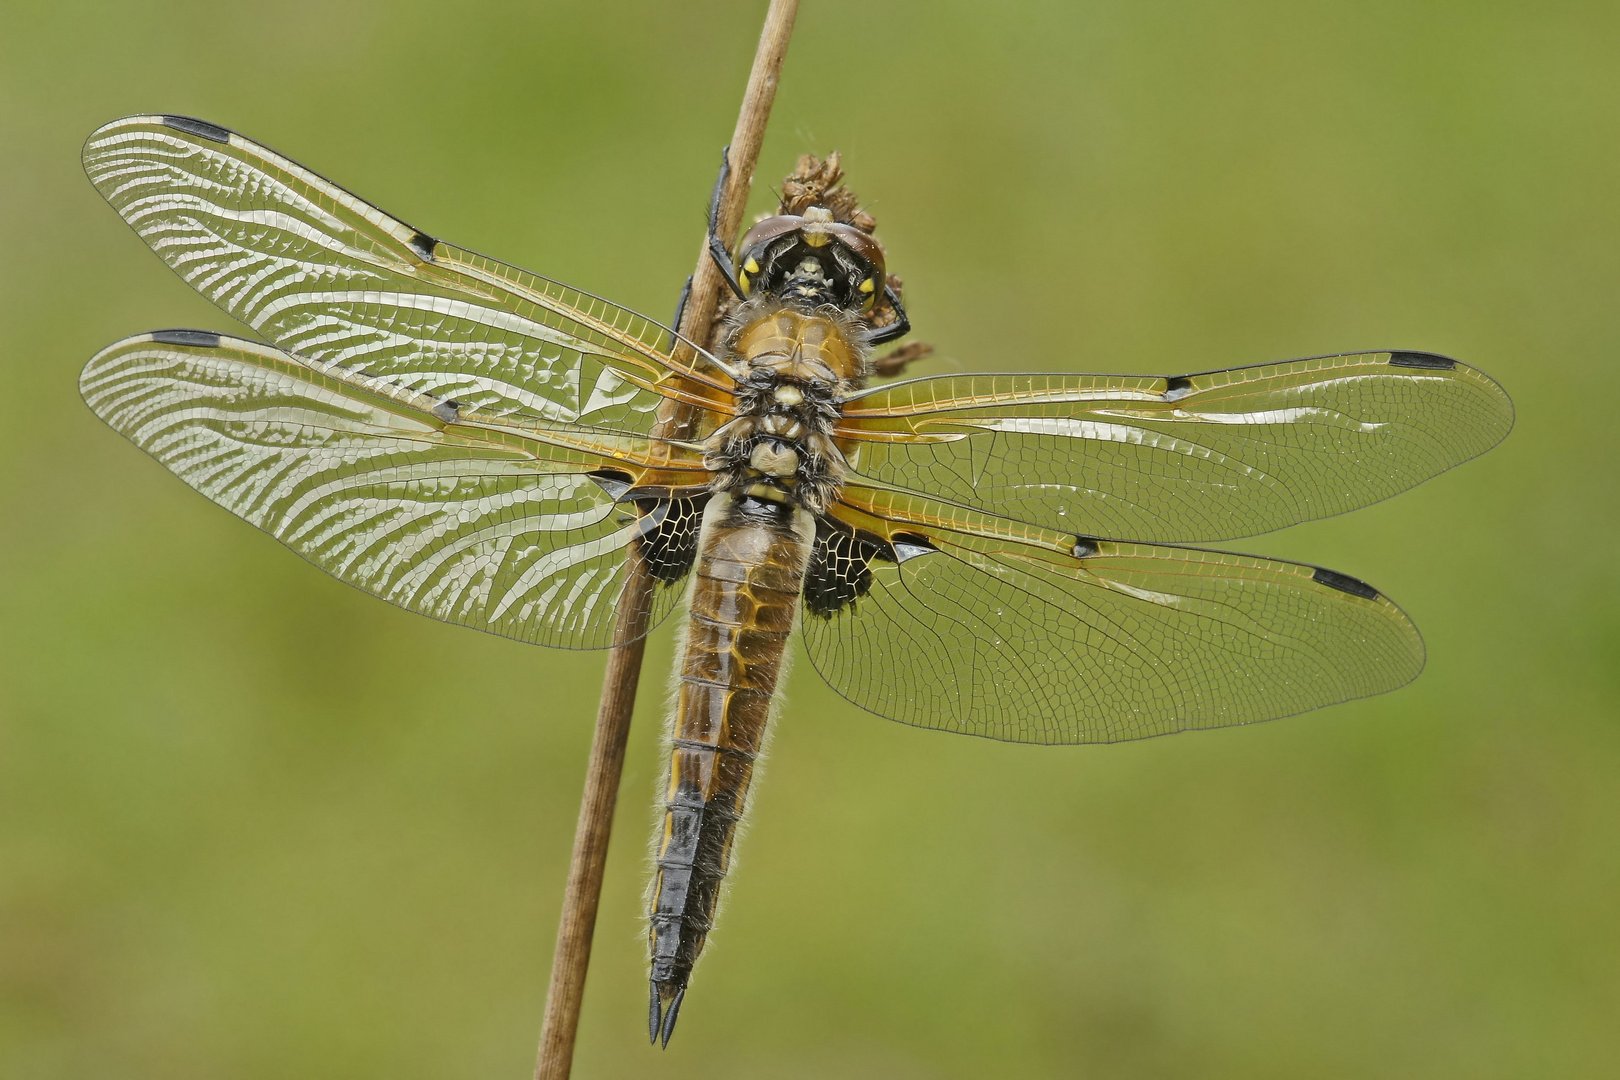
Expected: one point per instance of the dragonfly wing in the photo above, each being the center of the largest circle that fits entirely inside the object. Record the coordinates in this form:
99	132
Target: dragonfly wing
481	524
1185	459
987	627
332	279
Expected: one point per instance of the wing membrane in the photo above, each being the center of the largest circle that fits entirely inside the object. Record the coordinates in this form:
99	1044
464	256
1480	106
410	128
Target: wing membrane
1002	630
332	279
492	524
1192	458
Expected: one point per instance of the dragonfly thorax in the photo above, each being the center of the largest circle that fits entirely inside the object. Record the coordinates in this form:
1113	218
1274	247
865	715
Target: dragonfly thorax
797	365
799	342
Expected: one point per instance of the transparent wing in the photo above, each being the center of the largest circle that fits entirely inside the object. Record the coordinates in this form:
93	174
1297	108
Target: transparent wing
332	279
490	524
1192	458
1011	632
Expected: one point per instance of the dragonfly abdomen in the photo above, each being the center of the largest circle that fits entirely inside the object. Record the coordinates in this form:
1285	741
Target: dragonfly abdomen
750	567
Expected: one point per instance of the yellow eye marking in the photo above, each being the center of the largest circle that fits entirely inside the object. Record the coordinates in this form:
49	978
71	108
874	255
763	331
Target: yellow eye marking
866	286
751	267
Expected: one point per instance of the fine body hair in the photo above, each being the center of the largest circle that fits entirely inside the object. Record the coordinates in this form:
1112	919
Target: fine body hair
672	697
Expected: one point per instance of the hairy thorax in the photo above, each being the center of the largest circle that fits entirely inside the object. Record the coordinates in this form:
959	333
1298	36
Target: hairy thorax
798	364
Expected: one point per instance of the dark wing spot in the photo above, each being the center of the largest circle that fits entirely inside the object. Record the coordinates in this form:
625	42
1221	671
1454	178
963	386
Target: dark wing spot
668	540
612	481
202	339
910	546
1177	388
1433	361
449	411
840	570
1344	583
423	245
198	127
1084	546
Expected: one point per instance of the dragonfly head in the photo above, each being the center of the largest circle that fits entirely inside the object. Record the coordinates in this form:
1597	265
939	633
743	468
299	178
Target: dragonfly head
812	259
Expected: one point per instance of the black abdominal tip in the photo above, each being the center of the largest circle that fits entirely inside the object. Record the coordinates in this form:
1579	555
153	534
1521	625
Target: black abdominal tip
674	1011
661	1024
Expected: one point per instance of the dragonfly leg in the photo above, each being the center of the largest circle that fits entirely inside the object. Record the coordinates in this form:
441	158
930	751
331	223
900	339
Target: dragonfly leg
717	246
901	325
680	310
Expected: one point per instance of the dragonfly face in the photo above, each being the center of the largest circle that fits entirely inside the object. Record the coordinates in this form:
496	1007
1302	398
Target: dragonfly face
995	555
812	259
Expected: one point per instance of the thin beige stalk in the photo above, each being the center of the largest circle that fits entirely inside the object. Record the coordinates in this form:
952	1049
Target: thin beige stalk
578	923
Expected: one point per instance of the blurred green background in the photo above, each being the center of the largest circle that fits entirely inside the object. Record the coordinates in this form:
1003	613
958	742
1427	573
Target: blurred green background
254	823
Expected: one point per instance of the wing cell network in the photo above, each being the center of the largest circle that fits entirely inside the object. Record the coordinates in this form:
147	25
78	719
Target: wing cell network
465	519
429	421
1193	458
334	280
994	628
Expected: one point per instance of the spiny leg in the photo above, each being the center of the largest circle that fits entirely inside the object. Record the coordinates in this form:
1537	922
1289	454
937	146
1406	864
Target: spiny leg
717	246
680	312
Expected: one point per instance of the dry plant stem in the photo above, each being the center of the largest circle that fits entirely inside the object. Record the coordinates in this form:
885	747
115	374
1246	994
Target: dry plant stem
578	923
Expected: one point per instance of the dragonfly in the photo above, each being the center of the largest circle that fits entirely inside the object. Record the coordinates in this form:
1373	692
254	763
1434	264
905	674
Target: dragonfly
1000	555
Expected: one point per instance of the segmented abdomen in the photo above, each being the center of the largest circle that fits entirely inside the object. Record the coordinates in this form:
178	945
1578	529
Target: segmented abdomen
750	567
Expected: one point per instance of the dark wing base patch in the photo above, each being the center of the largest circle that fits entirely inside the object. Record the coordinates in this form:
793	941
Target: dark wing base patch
840	570
668	541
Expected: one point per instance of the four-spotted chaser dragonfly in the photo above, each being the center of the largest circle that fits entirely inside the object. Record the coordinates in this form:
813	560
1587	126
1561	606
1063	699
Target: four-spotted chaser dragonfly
997	555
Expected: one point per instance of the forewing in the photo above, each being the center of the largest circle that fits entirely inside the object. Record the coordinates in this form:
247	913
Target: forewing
332	279
1192	458
479	524
1020	634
